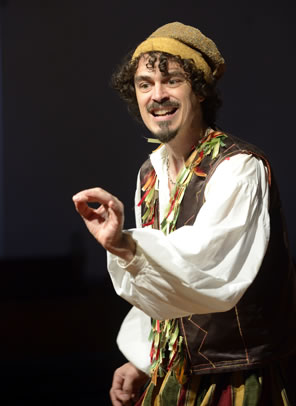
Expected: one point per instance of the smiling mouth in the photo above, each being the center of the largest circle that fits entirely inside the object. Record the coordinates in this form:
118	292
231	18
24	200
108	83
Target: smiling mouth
163	112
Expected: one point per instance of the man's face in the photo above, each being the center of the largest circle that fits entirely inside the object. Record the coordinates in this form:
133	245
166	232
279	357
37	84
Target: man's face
167	104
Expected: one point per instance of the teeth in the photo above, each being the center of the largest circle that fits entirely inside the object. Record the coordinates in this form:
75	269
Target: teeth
162	112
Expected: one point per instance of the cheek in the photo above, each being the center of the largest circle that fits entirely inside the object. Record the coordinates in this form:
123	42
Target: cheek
194	104
143	111
140	101
142	104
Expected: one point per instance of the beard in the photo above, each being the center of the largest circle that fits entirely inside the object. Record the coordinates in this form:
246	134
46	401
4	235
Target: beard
165	134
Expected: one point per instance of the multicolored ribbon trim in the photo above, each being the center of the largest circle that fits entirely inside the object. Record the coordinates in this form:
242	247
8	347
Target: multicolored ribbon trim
166	350
210	144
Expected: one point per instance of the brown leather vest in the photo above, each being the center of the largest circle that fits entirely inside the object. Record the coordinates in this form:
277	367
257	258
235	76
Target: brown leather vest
262	326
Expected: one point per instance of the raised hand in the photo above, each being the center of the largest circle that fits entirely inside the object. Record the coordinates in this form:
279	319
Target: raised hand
106	221
126	385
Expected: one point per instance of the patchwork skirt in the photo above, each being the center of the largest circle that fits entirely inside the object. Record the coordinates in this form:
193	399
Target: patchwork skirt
267	386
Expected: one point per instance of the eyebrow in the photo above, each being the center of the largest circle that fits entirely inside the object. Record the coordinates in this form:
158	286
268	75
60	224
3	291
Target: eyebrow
168	75
142	77
176	73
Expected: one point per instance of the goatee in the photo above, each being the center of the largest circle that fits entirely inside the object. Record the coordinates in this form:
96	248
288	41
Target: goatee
165	134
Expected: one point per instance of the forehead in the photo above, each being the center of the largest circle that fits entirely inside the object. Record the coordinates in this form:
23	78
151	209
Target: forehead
144	66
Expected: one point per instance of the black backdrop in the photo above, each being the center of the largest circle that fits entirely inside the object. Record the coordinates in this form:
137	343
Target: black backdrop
64	130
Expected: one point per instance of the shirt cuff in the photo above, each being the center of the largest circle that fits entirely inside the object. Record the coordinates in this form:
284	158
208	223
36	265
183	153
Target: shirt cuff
135	265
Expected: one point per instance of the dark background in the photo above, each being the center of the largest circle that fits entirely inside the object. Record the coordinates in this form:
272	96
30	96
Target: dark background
63	129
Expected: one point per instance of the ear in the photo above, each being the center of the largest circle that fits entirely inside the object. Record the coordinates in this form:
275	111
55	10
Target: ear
200	98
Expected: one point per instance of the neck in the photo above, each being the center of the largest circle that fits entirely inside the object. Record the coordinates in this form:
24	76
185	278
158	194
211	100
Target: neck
180	148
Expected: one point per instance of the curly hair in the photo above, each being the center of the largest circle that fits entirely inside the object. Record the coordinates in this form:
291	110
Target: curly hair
122	81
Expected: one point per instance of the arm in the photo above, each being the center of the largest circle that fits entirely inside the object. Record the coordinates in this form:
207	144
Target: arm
132	339
133	342
105	223
208	266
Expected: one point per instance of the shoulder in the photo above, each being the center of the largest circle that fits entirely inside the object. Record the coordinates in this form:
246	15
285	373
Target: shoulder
154	163
145	170
235	145
146	166
244	158
240	165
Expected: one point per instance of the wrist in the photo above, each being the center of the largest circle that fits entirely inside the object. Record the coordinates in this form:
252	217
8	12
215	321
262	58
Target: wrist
126	248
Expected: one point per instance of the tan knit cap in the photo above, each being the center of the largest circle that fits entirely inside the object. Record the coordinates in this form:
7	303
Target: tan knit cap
188	43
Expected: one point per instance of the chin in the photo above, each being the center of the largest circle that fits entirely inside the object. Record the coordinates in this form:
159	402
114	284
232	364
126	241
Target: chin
166	135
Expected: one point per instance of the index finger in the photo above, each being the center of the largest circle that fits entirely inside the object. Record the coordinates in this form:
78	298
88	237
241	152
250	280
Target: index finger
94	195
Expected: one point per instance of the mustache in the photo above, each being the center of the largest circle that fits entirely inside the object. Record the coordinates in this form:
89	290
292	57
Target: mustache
166	103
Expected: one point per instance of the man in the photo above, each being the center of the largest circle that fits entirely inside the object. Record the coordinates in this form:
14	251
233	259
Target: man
208	269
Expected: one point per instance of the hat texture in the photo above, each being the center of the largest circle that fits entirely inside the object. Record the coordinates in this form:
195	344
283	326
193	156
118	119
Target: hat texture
187	42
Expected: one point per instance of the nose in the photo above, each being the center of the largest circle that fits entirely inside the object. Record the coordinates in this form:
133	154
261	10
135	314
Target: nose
159	92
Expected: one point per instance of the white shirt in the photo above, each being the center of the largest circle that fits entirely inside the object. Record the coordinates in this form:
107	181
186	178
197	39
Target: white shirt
203	268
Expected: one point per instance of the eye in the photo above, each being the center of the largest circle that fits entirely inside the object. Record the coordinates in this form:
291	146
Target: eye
174	82
144	86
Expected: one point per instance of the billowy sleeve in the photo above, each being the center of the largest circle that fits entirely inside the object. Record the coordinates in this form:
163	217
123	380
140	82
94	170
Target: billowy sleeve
132	339
206	267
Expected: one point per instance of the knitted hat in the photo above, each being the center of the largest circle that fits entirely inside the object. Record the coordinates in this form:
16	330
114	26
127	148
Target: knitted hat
188	43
